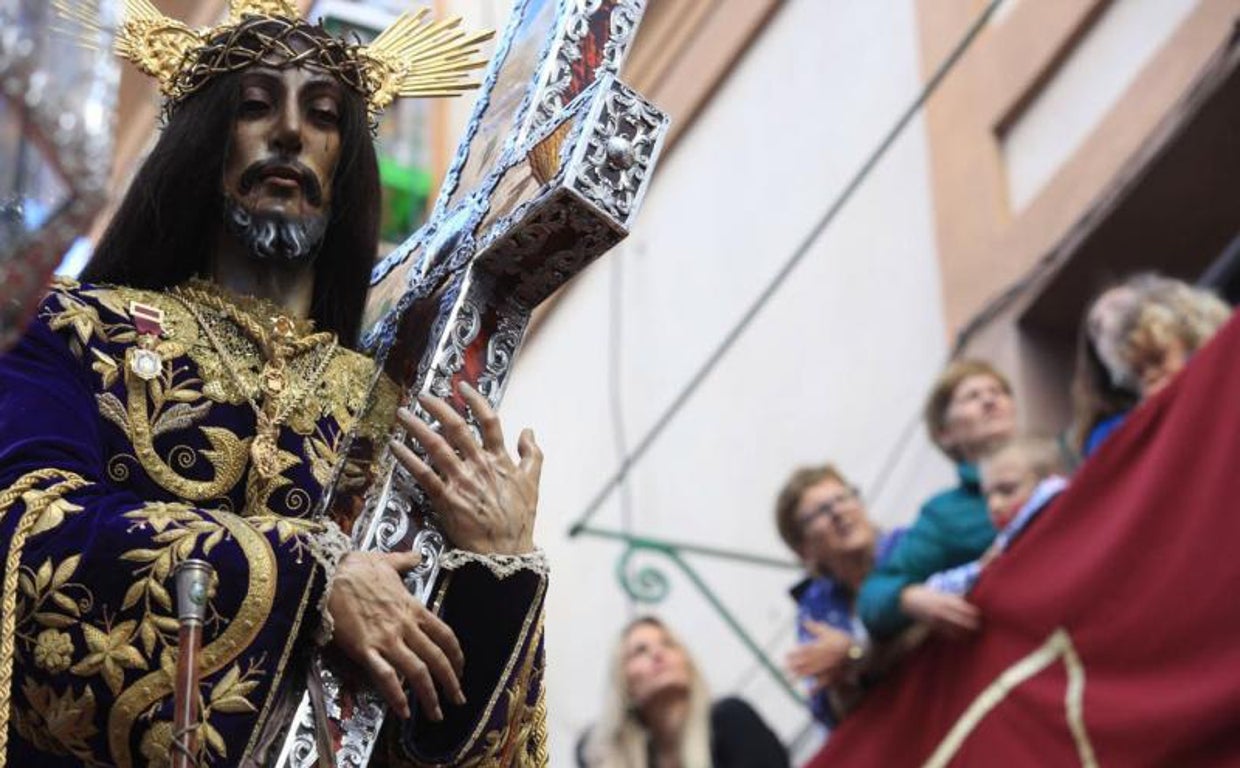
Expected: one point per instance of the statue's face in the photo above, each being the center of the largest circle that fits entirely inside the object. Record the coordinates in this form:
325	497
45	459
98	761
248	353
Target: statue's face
280	163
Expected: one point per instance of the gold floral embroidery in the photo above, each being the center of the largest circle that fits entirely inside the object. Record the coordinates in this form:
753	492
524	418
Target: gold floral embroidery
322	452
289	530
175	401
110	654
340	394
76	315
259	489
228	696
8	600
58	723
53	651
106	367
52	509
49	600
84	320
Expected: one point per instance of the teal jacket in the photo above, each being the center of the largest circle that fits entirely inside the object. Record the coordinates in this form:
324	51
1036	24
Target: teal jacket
952	528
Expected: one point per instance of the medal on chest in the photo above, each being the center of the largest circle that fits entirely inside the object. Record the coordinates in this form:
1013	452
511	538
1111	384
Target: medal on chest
148	321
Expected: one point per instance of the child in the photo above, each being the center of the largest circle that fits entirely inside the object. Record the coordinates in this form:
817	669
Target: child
1018	481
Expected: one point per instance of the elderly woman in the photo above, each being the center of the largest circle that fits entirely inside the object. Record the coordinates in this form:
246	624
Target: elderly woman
1136	336
658	713
823	519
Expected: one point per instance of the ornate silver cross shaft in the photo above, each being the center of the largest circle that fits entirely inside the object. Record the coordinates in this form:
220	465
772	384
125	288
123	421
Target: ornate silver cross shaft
548	177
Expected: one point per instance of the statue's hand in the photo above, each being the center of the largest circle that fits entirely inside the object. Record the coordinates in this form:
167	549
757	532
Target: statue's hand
485	501
382	627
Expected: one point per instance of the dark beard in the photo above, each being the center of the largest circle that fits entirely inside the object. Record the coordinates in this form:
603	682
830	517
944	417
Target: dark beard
274	236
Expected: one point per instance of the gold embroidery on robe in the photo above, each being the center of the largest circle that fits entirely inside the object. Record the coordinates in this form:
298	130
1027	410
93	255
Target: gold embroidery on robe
236	637
36	504
56	723
174	401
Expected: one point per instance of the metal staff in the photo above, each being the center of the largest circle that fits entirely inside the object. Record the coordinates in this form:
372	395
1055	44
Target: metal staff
193	579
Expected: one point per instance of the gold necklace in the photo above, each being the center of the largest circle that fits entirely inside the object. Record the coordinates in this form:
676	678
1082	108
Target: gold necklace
279	401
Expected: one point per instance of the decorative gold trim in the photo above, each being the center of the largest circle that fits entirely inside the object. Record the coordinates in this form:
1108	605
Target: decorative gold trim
228	453
278	671
8	603
260	595
1057	646
500	566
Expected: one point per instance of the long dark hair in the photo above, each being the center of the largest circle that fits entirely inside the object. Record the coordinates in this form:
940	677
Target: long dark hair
164	231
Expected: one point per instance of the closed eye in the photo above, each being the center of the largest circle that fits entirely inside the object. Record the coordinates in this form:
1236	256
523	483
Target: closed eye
254	107
325	116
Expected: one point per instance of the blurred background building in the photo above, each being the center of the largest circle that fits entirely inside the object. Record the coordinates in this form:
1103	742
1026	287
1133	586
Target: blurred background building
806	262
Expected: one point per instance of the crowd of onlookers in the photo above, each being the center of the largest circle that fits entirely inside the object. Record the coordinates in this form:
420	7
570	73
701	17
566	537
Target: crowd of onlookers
869	595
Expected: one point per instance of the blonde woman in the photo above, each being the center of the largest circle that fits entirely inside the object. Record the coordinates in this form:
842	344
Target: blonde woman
658	713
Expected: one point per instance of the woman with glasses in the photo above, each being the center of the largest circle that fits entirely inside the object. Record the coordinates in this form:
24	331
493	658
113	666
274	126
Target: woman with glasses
821	518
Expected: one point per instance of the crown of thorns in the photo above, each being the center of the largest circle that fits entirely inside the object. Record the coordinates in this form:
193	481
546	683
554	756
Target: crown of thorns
414	57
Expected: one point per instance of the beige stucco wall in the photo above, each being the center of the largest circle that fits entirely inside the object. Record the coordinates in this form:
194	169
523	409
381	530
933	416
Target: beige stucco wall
833	368
1010	181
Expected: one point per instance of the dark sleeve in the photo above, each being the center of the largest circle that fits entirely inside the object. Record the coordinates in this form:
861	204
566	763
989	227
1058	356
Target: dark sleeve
496	612
740	738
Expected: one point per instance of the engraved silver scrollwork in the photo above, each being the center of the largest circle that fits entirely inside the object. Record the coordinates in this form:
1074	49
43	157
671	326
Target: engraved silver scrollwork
300	749
360	730
487	282
465	328
625	16
501	350
623	143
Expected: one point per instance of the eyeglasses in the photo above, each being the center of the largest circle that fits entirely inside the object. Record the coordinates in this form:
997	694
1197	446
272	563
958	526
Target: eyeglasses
830	507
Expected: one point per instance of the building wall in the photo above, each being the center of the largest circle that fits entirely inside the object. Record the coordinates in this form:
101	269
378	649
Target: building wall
1035	125
832	369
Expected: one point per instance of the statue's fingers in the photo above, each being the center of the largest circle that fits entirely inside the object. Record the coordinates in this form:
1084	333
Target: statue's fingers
488	420
387	681
417	676
436	661
443	636
453	427
441	455
421	471
531	455
404	562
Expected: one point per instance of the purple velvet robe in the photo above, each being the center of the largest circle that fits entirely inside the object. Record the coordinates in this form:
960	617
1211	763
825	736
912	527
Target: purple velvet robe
108	480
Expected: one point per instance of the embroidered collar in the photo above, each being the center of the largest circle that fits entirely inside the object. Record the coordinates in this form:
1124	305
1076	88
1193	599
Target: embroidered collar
265	311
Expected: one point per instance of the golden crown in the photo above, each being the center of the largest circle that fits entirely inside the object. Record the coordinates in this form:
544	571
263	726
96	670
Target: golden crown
415	56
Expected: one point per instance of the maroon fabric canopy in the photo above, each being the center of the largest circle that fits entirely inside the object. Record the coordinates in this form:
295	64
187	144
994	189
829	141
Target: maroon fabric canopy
1112	627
